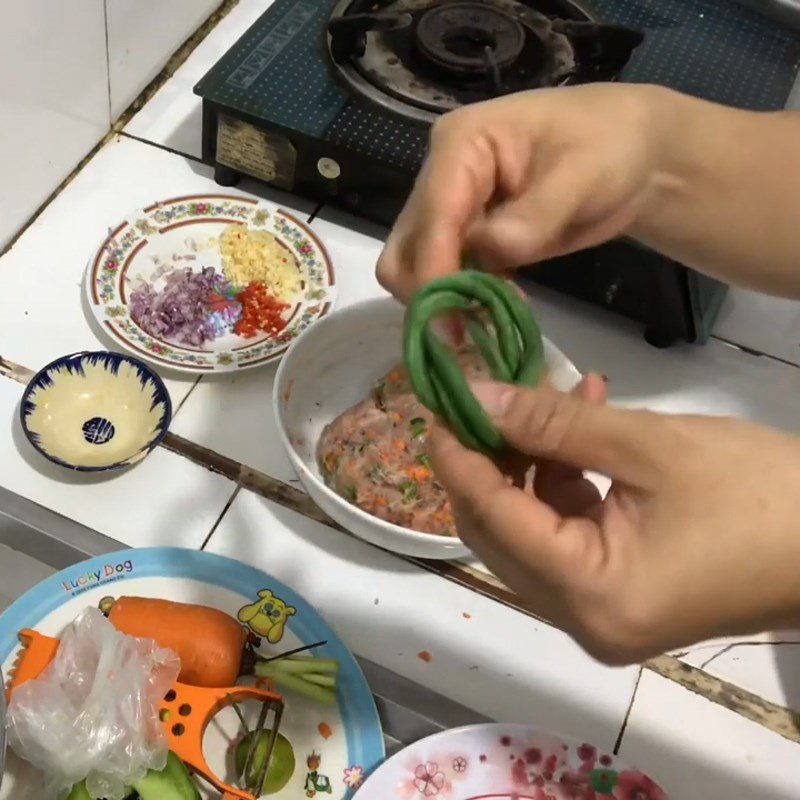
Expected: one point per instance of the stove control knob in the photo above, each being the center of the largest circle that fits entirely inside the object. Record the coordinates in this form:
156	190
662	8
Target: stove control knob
329	168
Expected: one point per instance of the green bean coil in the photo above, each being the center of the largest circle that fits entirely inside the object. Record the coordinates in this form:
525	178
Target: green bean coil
512	347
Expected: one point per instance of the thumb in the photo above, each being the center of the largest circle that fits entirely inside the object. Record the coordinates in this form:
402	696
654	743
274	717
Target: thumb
630	446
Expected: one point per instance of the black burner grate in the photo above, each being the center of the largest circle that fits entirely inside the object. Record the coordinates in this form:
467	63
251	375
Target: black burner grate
714	49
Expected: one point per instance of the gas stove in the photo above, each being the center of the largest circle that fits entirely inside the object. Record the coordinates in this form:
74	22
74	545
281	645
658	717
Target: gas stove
421	58
333	99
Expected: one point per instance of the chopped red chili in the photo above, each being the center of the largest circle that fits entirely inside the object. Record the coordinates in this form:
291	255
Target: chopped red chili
260	312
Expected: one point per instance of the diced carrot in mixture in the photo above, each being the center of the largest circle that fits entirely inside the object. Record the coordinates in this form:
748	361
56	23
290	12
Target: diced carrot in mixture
419	474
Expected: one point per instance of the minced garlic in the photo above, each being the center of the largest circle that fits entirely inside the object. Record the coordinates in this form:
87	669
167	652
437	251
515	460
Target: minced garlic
258	256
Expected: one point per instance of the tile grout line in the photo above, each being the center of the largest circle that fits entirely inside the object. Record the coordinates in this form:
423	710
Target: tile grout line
716	655
778	719
161	146
194	385
751	351
174	62
108	63
224	511
618	742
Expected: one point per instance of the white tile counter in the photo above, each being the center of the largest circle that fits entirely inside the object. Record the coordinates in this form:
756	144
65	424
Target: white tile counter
48	125
390	611
701	751
44	314
172	117
141	34
483	653
164	500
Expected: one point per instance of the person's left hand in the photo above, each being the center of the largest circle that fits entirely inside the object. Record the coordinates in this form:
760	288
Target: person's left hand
697	537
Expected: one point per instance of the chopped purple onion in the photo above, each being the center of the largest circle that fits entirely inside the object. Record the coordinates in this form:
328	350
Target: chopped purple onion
179	311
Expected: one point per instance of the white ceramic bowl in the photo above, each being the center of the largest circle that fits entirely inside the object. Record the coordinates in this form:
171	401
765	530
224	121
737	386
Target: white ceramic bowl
93	412
331	367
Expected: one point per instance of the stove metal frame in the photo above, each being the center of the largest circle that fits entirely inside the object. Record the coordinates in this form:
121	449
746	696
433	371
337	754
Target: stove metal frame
356	81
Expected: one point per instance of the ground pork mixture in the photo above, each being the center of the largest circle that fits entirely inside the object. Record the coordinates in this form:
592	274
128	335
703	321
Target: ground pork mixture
374	454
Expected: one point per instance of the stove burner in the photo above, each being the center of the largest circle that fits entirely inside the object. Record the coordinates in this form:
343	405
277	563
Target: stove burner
469	38
422	58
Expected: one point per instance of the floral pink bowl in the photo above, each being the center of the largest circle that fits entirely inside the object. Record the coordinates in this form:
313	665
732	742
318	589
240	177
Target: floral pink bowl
506	762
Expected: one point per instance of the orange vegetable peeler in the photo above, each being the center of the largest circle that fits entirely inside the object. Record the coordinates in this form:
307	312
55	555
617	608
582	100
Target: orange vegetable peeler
185	711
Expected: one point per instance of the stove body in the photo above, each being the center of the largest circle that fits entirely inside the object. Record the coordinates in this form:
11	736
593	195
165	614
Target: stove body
333	99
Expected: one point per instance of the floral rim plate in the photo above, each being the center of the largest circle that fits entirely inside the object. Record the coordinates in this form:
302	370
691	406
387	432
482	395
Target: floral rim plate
334	747
183	231
506	762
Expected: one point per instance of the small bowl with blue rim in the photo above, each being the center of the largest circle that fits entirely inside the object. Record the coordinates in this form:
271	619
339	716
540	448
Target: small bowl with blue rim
95	411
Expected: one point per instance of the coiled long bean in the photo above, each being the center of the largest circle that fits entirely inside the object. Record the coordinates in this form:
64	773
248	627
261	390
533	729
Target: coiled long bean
512	347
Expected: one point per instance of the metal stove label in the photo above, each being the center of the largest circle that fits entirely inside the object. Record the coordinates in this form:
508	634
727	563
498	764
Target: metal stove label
255	152
262	55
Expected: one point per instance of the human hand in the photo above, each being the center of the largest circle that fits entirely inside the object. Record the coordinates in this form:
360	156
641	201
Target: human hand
697	537
527	177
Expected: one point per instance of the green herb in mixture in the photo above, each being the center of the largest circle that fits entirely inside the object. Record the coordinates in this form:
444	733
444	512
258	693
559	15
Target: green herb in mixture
425	460
330	464
418	427
410	491
377	474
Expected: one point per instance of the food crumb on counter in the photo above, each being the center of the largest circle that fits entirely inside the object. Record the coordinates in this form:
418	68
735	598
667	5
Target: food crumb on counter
425	656
376	601
466	615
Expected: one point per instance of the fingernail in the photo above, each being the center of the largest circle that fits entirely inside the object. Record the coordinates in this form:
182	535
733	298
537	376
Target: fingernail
494	397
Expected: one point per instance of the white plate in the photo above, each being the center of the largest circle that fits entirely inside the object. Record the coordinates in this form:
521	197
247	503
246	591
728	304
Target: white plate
506	762
184	232
330	368
341	753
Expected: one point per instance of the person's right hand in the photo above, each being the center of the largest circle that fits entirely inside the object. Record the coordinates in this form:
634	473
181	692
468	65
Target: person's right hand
698	537
527	177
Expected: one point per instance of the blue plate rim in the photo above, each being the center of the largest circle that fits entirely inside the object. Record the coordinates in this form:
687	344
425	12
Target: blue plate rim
145	451
199	565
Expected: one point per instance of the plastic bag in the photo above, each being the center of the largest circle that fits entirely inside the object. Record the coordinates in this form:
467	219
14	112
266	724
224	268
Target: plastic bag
93	713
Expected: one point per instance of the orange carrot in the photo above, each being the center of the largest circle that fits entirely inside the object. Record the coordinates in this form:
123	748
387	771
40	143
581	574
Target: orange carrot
209	642
419	474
